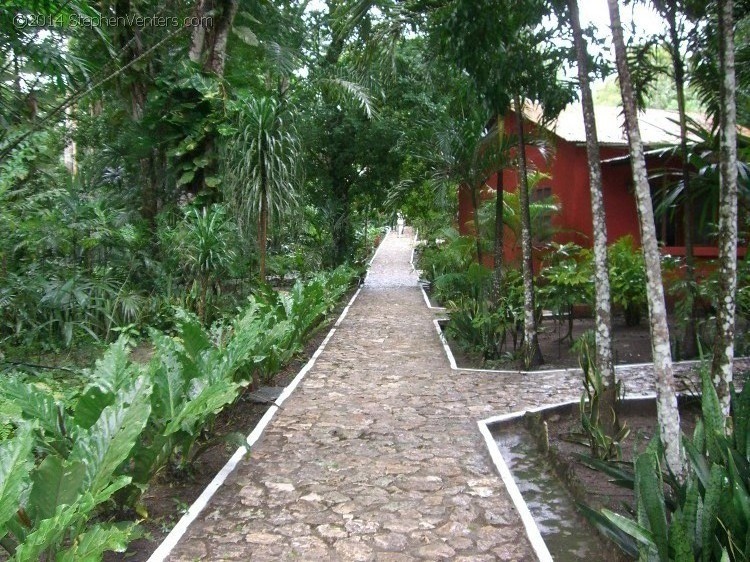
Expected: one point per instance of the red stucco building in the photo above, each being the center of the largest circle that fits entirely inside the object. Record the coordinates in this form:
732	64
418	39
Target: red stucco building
567	166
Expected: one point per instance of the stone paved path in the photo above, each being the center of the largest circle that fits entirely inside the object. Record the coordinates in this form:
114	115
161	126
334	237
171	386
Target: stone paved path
377	455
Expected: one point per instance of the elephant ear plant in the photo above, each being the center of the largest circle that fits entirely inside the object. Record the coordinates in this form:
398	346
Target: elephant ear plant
65	460
705	519
61	466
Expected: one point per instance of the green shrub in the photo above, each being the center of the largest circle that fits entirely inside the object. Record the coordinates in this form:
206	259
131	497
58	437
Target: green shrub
627	279
567	280
453	255
63	464
478	325
66	459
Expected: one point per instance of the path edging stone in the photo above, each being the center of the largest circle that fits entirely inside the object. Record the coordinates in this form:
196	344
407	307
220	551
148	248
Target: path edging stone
166	547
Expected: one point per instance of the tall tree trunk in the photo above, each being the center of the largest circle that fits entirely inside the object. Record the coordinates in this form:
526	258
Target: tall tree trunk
208	45
263	234
532	355
666	397
604	360
689	341
475	209
497	277
208	48
137	88
721	368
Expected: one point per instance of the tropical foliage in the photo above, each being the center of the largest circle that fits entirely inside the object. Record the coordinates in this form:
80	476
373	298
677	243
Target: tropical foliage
66	458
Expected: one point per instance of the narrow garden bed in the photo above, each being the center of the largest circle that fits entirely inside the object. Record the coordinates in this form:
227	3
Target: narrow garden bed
171	494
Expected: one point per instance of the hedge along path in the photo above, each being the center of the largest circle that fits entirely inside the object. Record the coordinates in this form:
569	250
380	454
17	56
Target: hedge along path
377	455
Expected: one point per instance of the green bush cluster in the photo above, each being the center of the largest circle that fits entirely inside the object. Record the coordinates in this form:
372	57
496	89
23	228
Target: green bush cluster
65	460
481	323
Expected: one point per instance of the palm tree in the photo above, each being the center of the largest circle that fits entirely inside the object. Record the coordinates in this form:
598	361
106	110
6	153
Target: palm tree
666	398
603	305
467	155
264	176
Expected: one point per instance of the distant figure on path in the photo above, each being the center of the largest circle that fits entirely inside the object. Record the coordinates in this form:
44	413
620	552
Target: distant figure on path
400	224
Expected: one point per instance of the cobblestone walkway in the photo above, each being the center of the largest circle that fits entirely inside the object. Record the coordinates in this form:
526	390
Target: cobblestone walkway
377	455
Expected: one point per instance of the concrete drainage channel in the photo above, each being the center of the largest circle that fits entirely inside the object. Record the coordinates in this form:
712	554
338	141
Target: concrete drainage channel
179	530
549	515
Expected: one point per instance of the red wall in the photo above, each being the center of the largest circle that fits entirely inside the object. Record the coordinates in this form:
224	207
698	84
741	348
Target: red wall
567	164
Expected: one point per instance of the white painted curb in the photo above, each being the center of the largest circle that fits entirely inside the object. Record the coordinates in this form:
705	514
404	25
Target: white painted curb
574	370
532	530
428	303
179	530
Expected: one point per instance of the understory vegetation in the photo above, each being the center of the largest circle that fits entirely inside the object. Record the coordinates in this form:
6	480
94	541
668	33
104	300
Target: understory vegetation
73	454
183	205
492	328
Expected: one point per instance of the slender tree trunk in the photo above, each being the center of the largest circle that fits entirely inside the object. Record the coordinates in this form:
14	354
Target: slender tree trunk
475	208
208	48
666	397
497	277
208	44
721	368
263	234
137	88
604	360
532	355
689	341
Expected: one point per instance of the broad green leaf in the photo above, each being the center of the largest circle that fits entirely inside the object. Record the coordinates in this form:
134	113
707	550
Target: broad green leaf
36	405
639	533
713	418
55	482
212	181
680	542
692	507
15	463
209	400
610	530
169	380
149	457
111	373
193	337
97	540
186	177
104	446
90	405
710	518
50	533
